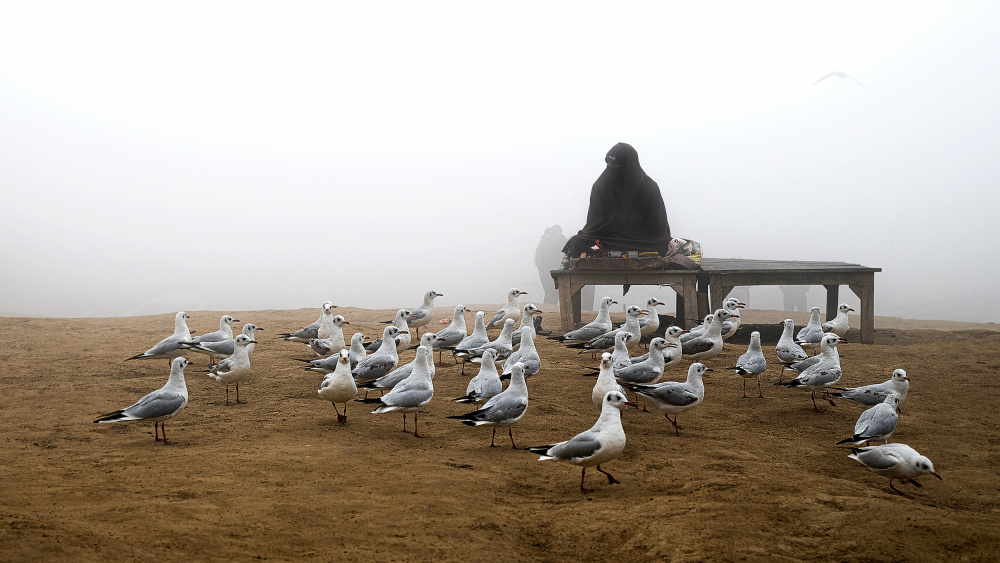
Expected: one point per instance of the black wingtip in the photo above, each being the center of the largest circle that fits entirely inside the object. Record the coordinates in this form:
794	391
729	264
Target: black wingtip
852	439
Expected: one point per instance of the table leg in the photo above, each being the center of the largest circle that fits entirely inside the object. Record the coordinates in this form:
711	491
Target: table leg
832	301
865	290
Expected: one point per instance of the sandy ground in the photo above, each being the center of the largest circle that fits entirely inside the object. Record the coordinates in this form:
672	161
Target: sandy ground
278	478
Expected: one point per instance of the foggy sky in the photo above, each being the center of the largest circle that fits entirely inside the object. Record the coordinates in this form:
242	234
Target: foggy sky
158	157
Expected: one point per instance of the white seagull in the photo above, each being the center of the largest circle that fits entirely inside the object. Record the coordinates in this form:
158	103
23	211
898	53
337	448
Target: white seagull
484	384
473	341
787	350
160	405
874	394
410	394
812	333
822	374
594	328
502	344
839	324
311	331
503	409
357	350
334	342
381	361
403	339
389	380
453	333
223	348
601	444
225	332
527	320
698	330
876	423
509	311
170	347
235	368
605	381
606	341
709	344
752	363
732	324
526	355
895	461
339	386
675	397
423	314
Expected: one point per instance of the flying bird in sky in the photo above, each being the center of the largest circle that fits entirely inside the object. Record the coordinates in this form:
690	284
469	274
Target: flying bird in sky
839	74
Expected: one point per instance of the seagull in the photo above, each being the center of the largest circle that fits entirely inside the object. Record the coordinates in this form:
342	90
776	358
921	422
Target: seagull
223	348
895	461
674	397
876	423
698	330
502	344
484	384
423	314
410	394
225	332
751	364
164	403
593	329
170	347
508	311
389	380
505	408
332	344
235	368
649	322
474	340
812	333
672	354
311	331
648	371
339	387
709	344
838	74
526	355
453	333
822	374
527	320
605	381
403	341
601	444
869	395
619	355
838	325
606	341
357	350
381	361
732	324
787	350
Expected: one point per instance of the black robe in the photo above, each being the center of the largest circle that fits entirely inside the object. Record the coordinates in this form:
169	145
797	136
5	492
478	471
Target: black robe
626	209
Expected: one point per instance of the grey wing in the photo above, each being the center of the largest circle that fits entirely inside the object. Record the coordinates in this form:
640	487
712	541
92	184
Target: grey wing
637	373
222	367
505	409
587	332
308	332
877	458
676	395
226	347
392	378
373	366
583	445
879	422
821	375
165	346
416	315
409	394
448	338
497	317
696	346
790	353
605	340
210	337
156	404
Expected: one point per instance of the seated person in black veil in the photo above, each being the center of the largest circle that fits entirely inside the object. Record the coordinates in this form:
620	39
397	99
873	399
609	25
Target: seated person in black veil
626	209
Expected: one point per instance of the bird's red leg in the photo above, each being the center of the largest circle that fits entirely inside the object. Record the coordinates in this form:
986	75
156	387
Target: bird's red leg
415	426
492	438
582	489
163	427
404	422
510	432
156	431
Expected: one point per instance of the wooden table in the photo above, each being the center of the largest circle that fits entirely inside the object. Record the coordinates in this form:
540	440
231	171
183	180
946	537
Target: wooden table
570	282
701	291
718	276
